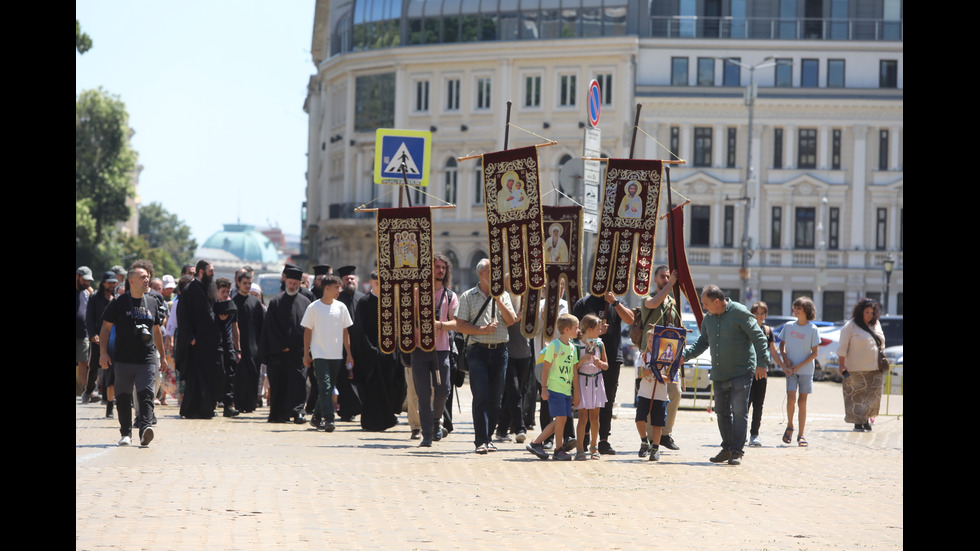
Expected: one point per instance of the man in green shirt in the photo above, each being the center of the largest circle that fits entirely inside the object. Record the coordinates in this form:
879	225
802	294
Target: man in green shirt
738	346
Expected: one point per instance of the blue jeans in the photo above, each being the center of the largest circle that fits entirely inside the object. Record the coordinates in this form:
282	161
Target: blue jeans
487	369
732	409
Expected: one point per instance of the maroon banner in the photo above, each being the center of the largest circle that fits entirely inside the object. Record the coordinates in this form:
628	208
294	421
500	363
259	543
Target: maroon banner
405	300
514	227
627	227
679	258
562	259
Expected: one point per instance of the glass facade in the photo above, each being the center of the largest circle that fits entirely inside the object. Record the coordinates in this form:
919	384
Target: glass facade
374	24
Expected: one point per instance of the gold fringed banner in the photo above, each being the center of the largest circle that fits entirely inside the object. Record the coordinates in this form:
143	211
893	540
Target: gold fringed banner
628	223
562	258
404	261
513	204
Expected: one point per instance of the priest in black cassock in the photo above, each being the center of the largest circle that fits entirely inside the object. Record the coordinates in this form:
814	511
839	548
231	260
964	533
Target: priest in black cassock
282	349
349	399
250	317
196	347
382	392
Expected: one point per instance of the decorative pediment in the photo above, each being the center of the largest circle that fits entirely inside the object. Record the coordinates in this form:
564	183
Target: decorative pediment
699	182
805	185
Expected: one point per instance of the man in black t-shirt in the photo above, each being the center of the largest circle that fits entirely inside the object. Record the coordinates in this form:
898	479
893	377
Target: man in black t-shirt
137	318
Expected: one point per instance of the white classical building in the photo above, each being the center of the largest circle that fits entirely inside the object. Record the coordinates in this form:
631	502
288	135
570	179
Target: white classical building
825	193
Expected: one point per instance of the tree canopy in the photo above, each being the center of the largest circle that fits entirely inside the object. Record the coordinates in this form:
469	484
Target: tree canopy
83	42
165	231
105	165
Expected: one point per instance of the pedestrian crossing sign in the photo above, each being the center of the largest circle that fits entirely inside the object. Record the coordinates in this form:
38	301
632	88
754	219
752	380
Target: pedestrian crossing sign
396	151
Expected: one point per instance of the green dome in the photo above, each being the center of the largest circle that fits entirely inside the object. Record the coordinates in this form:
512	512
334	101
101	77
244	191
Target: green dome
244	242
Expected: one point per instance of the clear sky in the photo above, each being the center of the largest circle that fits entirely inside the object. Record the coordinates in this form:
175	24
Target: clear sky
215	92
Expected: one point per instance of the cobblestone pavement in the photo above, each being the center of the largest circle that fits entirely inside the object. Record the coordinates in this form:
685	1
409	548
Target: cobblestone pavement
245	484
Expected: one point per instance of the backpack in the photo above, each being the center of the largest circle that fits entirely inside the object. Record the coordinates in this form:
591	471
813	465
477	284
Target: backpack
638	327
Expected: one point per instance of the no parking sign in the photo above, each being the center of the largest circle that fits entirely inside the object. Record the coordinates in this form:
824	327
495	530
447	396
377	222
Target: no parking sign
595	99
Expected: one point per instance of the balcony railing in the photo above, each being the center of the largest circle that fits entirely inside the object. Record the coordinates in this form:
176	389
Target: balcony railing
689	26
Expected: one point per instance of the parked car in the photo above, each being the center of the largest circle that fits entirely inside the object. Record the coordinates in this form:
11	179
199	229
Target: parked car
697	371
896	359
894	329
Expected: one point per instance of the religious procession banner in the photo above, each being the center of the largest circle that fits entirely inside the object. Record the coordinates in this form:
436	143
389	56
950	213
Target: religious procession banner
678	260
514	226
562	259
404	270
667	346
627	225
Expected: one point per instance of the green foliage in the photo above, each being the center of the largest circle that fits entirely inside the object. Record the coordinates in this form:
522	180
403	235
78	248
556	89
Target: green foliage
105	164
165	231
83	42
137	247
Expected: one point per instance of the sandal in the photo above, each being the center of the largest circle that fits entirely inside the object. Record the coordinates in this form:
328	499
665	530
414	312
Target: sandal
788	435
801	441
594	453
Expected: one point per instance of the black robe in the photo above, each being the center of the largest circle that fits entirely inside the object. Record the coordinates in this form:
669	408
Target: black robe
281	330
250	317
197	364
379	376
348	395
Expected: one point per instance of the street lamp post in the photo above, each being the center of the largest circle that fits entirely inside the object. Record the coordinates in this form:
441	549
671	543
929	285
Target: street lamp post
750	94
889	266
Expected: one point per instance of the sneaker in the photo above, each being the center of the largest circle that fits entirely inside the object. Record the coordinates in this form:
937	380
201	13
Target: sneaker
86	398
723	455
858	427
549	444
329	427
146	437
125	441
755	441
735	459
668	442
561	455
521	437
654	454
504	437
644	449
570	444
581	456
481	449
416	434
605	448
537	449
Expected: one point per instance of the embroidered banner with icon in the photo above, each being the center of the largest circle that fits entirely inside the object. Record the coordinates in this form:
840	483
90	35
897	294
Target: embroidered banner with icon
667	346
627	227
514	226
562	259
404	262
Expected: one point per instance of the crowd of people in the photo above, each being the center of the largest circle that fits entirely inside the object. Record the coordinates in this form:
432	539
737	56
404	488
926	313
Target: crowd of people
312	356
